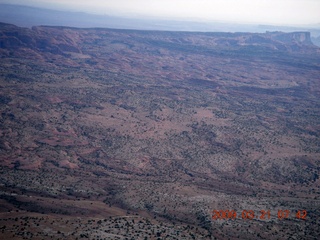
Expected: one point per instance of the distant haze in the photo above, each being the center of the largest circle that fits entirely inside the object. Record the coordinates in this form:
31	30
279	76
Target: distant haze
279	12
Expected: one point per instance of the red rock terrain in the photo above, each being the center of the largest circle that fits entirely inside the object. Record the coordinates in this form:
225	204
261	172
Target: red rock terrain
121	133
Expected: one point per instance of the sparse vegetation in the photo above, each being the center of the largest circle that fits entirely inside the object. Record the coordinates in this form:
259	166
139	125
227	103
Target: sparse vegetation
125	134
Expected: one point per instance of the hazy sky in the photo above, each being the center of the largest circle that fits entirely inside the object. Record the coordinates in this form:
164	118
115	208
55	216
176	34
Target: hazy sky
283	12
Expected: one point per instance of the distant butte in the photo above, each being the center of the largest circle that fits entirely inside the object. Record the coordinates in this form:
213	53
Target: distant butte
59	40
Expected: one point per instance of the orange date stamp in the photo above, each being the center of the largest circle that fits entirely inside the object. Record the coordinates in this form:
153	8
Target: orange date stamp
259	215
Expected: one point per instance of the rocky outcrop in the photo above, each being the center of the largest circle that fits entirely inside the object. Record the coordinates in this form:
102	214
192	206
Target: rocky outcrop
292	42
303	38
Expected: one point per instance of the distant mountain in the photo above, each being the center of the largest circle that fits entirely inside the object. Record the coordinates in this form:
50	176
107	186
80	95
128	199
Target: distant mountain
58	40
25	16
30	16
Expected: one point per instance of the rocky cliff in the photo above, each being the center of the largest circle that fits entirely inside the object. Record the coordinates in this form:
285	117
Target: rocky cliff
63	40
303	38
